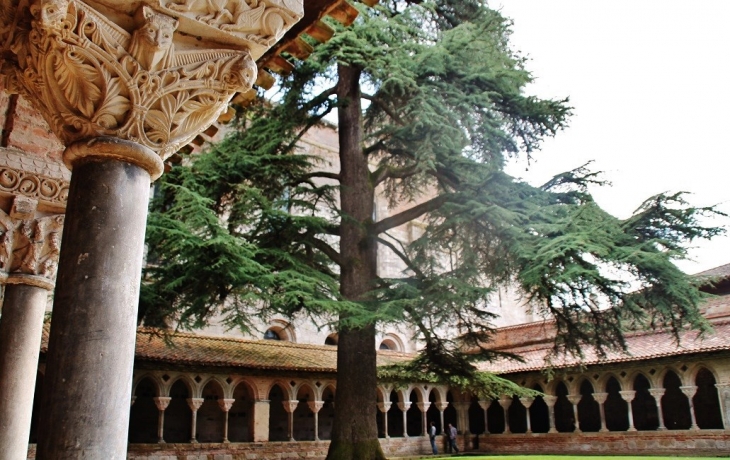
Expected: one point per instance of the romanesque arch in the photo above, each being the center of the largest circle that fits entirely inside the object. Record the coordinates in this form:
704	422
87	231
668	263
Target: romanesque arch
395	416
278	417
706	402
564	419
589	416
517	416
144	414
303	416
210	420
240	416
616	409
539	413
178	415
643	407
675	405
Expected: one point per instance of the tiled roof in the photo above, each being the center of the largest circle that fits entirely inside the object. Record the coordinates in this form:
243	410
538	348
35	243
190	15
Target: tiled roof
723	271
192	349
641	346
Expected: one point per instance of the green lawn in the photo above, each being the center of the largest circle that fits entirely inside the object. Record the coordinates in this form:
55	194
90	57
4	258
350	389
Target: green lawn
574	457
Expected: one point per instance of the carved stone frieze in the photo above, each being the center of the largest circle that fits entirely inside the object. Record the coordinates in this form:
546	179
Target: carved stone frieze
29	245
49	190
136	75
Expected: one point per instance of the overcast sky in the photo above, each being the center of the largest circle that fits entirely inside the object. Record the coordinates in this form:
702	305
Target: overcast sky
649	84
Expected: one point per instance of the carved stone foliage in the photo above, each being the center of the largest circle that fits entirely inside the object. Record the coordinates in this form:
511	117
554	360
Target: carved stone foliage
90	77
29	245
44	189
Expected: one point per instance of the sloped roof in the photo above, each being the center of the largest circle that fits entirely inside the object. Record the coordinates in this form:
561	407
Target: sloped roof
192	349
641	346
723	271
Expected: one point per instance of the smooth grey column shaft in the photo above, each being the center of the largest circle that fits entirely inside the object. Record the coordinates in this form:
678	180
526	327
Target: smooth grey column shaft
88	384
21	327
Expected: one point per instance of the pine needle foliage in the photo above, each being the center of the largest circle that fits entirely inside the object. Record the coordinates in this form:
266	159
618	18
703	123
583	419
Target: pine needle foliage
430	103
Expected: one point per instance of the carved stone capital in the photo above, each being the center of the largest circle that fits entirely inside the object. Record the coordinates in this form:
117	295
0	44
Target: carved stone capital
162	402
485	404
315	406
442	405
290	405
527	401
404	406
505	402
627	395
689	390
29	245
657	393
600	398
423	406
132	70
550	400
195	403
226	404
384	406
574	399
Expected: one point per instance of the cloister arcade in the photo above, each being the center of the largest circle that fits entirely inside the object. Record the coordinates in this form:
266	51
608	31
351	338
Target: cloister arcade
182	407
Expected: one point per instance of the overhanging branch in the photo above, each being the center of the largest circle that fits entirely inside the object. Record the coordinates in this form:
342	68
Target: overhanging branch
409	214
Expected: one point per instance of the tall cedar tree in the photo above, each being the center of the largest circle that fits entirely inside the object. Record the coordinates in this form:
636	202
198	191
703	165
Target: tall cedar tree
430	103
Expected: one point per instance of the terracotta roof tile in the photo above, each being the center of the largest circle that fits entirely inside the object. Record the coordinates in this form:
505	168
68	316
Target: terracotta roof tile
723	271
191	349
641	346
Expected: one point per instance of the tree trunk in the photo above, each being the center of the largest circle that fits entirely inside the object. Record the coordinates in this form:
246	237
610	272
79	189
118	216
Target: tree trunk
355	435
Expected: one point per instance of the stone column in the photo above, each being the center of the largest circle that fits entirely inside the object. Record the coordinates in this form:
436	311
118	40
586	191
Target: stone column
690	391
723	394
315	407
261	414
161	402
121	102
485	407
384	408
574	400
600	398
527	402
290	406
194	404
423	407
441	406
505	402
29	250
628	396
225	405
550	401
657	393
404	406
462	415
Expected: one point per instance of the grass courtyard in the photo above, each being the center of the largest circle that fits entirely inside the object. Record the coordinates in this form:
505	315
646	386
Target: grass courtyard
576	457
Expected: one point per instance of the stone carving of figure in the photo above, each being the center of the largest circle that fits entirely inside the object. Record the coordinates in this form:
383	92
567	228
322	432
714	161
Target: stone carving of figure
151	43
50	13
6	250
50	265
32	257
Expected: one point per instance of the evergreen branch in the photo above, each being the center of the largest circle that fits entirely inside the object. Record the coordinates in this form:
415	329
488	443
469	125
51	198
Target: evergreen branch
409	214
386	172
401	256
384	107
326	249
320	174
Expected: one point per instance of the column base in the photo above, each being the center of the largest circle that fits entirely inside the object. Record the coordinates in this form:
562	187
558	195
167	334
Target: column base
632	429
662	428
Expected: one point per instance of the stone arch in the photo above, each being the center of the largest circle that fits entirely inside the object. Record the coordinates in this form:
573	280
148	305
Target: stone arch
240	416
539	412
303	416
517	415
450	415
564	418
392	342
332	339
143	414
211	419
179	416
281	330
706	402
414	417
433	414
495	417
327	413
589	415
395	415
278	417
675	405
615	408
643	407
154	379
602	381
185	380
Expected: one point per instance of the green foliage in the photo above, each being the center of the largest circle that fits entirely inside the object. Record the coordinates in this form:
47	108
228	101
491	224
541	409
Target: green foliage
252	226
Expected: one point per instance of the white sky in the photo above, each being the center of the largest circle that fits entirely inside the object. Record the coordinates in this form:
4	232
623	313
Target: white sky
649	84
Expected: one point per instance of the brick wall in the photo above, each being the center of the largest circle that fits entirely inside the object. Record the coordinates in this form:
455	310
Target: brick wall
692	443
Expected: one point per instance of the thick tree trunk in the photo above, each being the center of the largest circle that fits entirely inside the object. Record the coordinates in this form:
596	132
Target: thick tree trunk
355	435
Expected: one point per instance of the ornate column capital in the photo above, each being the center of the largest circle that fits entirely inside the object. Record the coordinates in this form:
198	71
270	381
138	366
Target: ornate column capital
290	405
29	245
627	395
526	401
485	404
574	399
404	406
315	406
226	404
442	405
657	393
550	400
162	402
155	72
505	401
384	406
423	406
689	390
195	403
600	398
